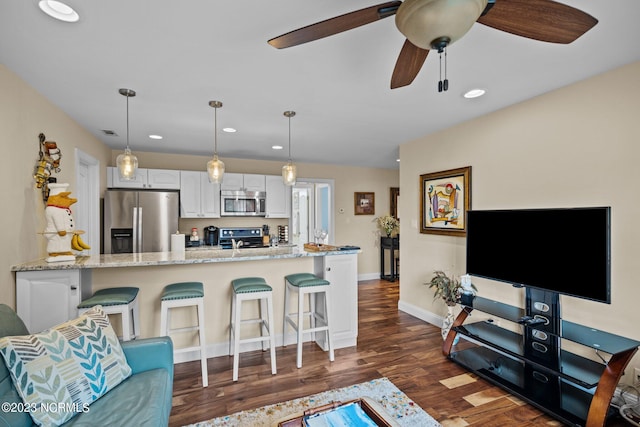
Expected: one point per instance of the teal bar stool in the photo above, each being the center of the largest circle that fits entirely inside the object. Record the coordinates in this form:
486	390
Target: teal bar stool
251	289
185	294
122	301
307	285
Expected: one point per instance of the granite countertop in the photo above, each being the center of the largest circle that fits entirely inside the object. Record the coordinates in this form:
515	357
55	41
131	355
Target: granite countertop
201	256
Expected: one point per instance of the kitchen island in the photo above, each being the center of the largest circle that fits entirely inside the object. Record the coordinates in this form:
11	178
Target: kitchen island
48	293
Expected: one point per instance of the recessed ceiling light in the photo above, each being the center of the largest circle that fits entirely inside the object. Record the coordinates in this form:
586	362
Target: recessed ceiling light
277	147
58	10
398	160
229	130
474	93
155	136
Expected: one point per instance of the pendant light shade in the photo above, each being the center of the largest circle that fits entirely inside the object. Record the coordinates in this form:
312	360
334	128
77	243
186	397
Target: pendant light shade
127	162
215	166
289	171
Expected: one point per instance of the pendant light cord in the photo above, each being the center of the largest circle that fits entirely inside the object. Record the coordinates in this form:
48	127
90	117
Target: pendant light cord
289	138
127	121
215	131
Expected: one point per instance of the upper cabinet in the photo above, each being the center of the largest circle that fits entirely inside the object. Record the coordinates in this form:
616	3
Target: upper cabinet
152	179
199	198
278	197
243	182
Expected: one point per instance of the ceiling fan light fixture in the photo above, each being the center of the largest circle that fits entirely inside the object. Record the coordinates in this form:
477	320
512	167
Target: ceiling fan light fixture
424	21
127	162
58	10
215	166
289	171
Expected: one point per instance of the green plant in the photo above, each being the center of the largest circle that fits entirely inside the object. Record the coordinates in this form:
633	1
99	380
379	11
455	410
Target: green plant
447	288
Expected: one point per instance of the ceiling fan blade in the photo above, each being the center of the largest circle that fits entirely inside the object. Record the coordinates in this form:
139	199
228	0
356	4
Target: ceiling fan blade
543	20
335	25
408	64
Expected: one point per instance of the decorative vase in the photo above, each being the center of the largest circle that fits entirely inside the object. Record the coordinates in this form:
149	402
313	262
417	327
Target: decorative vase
447	323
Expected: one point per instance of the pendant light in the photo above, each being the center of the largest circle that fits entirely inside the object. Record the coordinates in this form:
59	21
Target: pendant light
127	162
215	166
289	170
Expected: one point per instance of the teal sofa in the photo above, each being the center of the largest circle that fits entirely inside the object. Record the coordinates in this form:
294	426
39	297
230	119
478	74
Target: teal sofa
143	399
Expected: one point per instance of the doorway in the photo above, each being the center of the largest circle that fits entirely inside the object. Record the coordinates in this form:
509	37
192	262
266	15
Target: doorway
87	208
312	211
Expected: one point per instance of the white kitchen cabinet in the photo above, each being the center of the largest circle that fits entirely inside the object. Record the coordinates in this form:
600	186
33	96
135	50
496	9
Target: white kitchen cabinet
278	197
199	198
50	297
242	182
342	272
152	179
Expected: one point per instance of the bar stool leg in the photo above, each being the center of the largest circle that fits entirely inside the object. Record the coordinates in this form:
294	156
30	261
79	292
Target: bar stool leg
286	313
300	327
164	312
136	318
236	338
272	340
203	355
231	320
126	324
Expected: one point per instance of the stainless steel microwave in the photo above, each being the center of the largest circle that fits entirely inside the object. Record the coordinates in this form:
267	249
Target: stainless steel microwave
243	203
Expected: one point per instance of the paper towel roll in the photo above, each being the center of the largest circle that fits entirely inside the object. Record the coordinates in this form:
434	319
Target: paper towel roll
177	243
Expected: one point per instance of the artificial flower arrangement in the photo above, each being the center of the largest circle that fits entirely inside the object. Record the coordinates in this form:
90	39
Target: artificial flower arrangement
388	224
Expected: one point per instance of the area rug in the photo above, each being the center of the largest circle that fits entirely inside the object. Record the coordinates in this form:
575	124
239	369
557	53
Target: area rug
402	410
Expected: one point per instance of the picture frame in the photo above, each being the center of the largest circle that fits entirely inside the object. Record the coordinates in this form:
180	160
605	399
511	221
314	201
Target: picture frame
445	198
394	195
364	203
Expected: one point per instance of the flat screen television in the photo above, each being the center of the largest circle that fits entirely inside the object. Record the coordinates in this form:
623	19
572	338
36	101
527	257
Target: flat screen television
564	250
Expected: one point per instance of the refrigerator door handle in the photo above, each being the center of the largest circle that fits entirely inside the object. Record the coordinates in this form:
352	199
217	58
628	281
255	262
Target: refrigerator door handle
135	230
139	227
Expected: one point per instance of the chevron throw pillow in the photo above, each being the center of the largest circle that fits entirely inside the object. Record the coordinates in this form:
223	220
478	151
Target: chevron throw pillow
61	371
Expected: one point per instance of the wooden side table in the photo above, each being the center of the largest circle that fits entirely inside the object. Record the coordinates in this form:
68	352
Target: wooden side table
389	245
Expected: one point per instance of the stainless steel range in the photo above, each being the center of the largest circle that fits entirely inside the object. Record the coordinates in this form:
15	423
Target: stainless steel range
244	237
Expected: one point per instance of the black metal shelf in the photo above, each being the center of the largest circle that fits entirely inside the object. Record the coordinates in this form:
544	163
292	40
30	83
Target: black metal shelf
527	358
572	367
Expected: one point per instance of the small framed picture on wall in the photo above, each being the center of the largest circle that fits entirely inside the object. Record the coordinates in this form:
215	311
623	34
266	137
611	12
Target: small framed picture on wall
364	203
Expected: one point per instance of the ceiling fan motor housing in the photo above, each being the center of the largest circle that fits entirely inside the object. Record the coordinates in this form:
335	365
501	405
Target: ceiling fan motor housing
425	22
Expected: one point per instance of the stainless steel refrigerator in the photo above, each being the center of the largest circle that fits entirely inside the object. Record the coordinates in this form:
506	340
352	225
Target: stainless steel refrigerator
139	221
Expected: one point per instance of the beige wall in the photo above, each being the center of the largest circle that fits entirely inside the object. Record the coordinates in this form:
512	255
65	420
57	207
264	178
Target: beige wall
577	146
350	229
24	114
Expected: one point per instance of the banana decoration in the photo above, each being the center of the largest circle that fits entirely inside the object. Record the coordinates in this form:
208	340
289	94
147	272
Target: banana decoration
77	244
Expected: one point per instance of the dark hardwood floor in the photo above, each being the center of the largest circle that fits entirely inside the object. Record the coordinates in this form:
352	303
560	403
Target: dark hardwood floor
391	344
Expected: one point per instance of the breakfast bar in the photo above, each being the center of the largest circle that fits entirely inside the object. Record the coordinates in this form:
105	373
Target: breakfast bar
48	293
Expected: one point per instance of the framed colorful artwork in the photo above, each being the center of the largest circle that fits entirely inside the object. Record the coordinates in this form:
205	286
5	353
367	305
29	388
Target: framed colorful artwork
445	197
364	203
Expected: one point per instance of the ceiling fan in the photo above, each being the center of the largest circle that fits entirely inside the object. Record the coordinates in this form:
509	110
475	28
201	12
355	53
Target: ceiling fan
435	24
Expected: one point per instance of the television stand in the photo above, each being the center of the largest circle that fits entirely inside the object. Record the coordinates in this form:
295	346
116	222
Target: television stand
576	386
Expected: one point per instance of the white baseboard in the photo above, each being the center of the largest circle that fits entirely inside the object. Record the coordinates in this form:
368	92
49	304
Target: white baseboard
368	276
420	313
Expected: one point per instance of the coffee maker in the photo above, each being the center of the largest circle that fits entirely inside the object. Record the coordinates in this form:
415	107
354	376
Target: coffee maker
211	235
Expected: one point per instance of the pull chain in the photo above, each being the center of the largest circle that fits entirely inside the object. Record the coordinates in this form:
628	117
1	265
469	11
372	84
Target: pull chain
443	85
